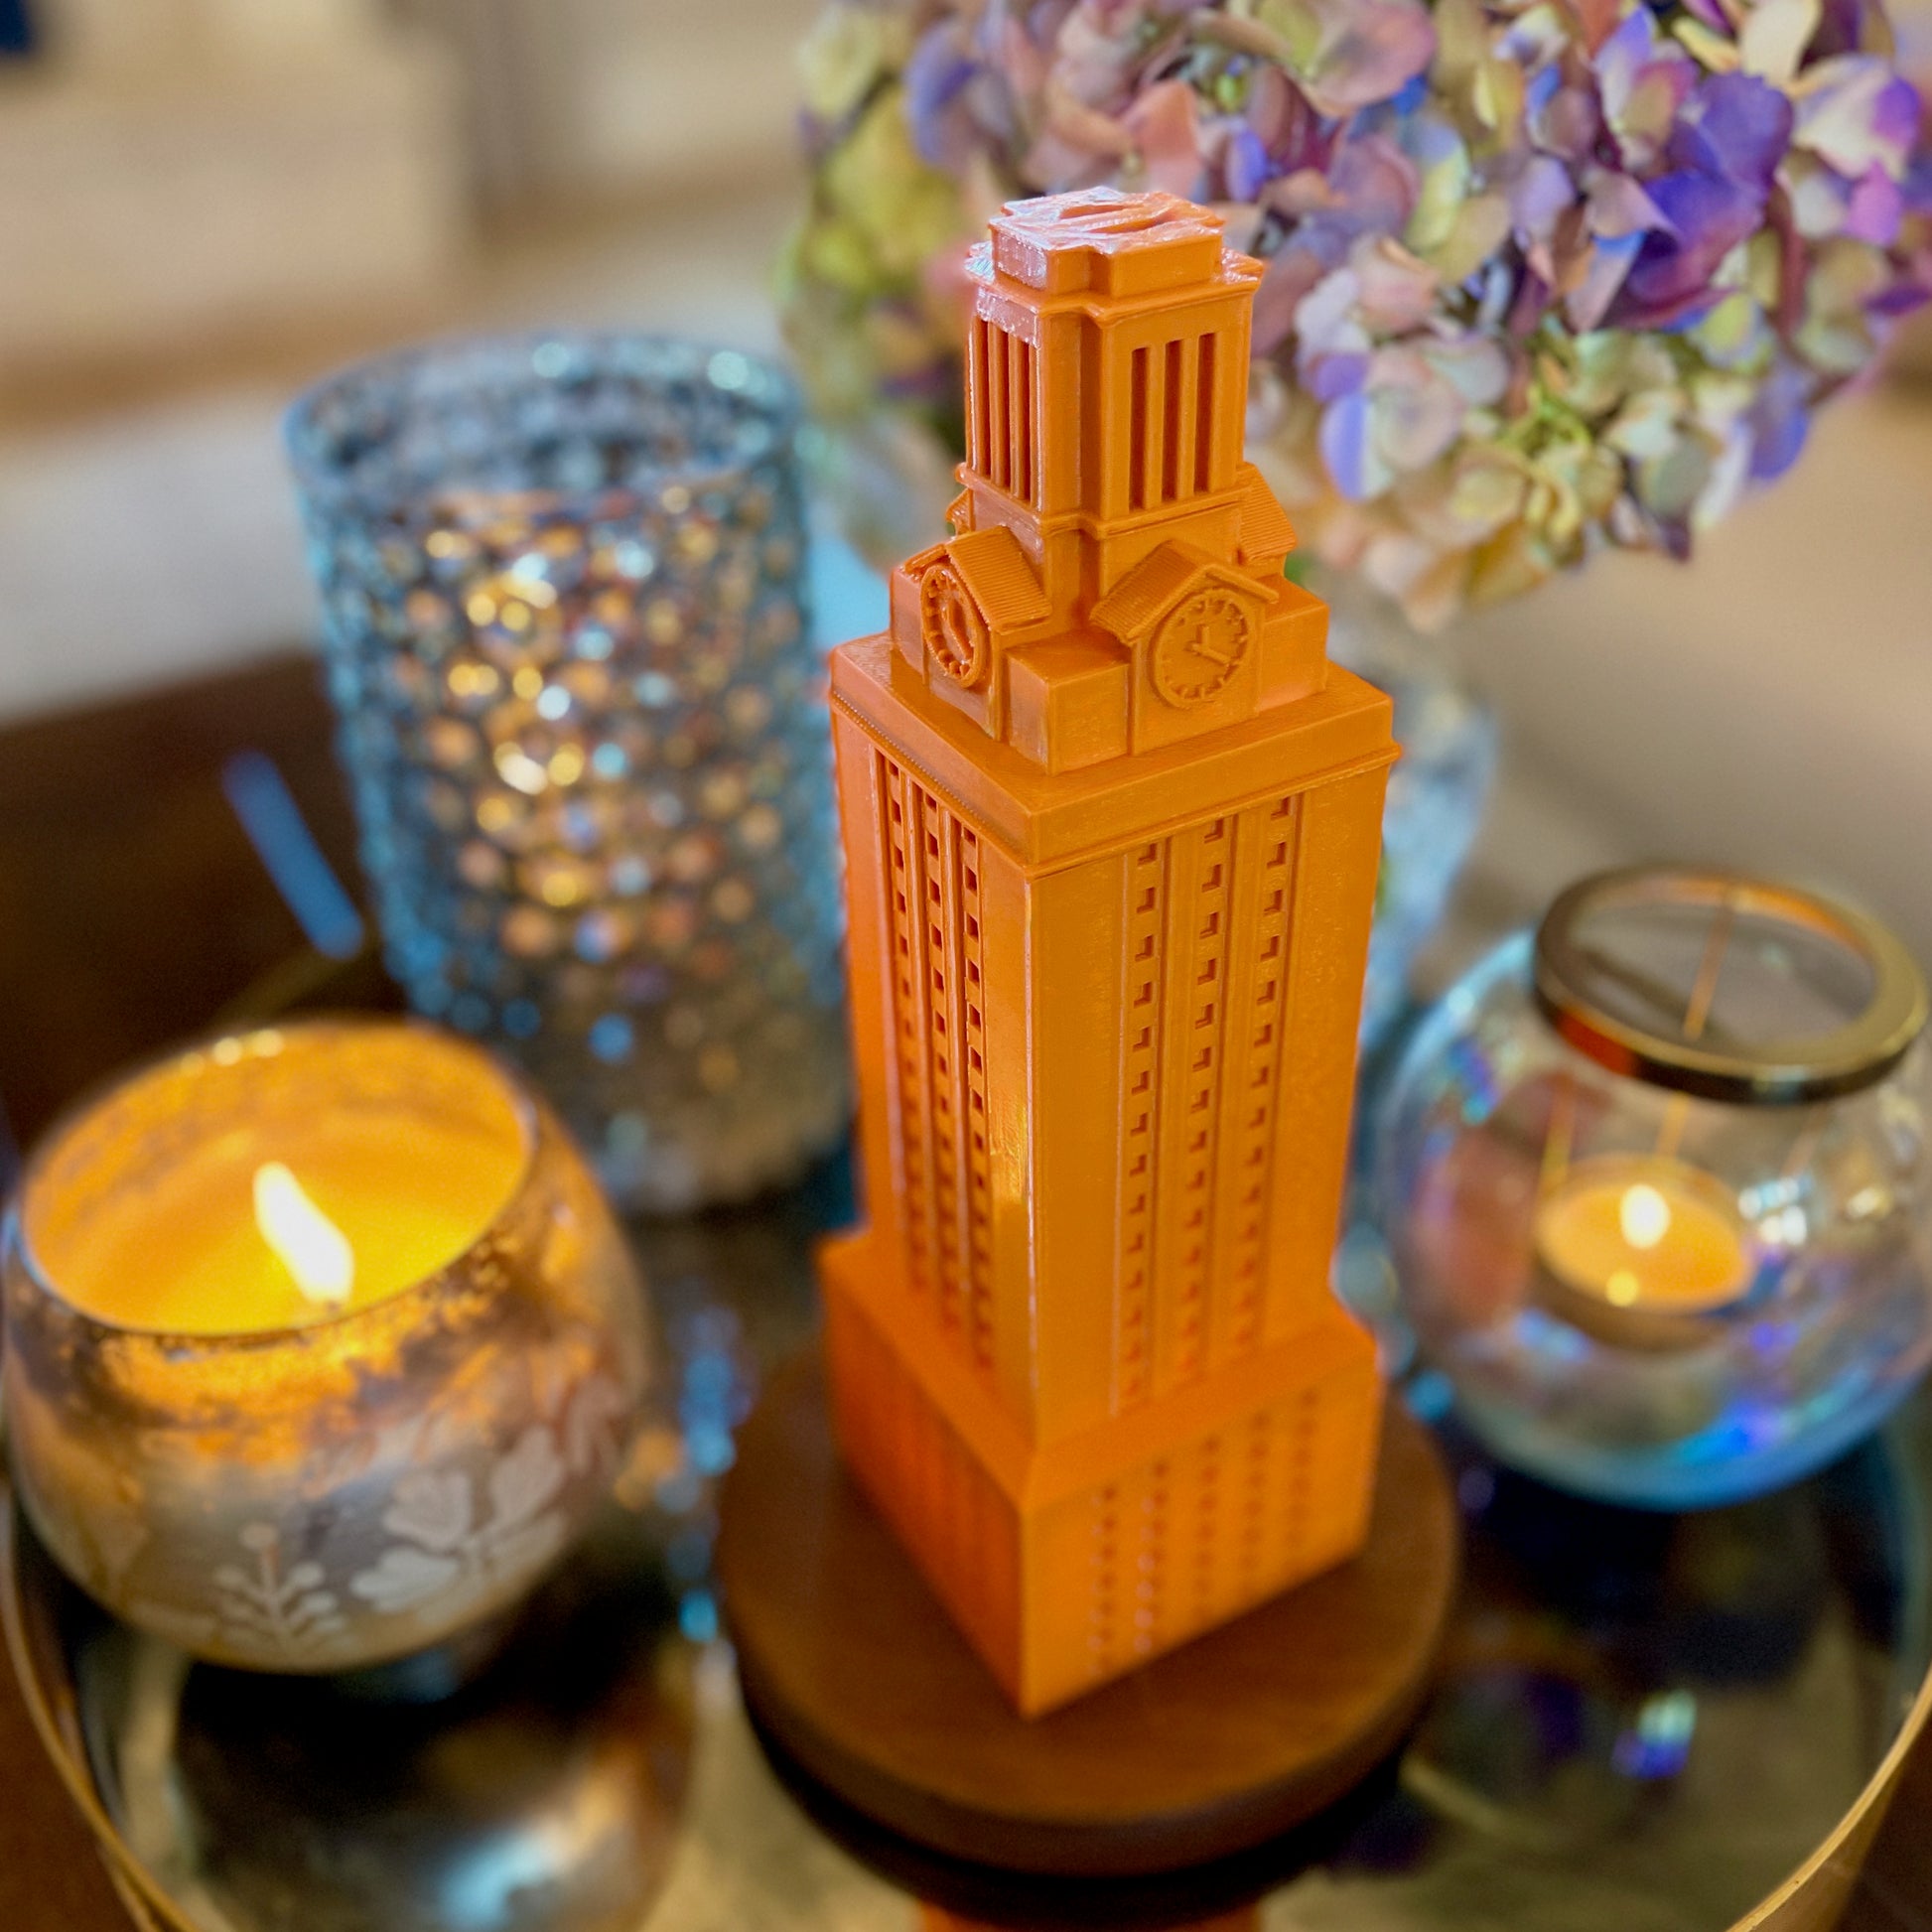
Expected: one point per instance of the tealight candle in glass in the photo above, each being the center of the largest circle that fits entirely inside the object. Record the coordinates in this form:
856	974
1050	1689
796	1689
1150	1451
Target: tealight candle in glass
321	1344
1657	1191
1625	1237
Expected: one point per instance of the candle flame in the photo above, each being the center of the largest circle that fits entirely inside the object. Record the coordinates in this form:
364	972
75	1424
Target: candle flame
306	1241
1645	1215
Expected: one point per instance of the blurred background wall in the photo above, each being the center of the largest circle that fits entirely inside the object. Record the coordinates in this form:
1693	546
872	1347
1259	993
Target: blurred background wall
595	99
204	203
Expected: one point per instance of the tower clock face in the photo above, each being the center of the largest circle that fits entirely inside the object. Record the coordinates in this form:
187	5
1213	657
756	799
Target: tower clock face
952	625
1200	645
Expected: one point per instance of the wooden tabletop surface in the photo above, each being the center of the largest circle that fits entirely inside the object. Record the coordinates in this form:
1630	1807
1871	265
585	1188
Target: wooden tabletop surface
132	911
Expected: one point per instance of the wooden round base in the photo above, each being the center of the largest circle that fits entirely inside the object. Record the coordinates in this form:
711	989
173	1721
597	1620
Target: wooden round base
852	1667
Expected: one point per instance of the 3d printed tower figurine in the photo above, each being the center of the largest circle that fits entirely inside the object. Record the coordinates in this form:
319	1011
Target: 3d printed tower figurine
1112	825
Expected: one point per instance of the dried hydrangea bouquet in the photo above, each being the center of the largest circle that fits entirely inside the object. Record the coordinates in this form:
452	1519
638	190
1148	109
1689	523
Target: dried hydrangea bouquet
1542	277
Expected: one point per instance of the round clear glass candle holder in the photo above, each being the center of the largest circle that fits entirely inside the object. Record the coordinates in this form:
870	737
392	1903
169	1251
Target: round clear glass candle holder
583	720
365	1484
1741	1090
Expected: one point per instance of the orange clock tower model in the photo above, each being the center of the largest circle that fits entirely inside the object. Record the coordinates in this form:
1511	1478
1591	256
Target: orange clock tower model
1111	824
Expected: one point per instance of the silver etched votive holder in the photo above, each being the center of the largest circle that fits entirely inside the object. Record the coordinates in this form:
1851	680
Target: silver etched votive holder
320	1477
583	720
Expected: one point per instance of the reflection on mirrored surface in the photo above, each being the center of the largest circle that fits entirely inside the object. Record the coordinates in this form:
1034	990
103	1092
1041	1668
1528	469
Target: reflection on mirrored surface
1647	1721
544	1793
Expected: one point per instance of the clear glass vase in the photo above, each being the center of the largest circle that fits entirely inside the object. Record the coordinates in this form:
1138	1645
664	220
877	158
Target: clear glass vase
1437	790
583	717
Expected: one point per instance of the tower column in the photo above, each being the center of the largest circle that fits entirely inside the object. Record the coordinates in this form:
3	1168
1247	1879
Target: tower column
1112	825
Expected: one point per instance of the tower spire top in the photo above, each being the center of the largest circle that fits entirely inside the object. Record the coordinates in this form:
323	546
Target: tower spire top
1114	581
1111	241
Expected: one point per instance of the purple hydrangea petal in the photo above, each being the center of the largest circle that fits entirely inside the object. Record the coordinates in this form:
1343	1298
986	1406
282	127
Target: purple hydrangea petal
1670	282
1292	273
1377	182
1899	111
1620	57
1917	184
1779	422
1857	110
1589	301
1415	414
1366	51
1271	110
1246	165
1543	192
1619	207
1738	126
1876	209
1333	377
938	75
1344	437
1645	82
1901	299
1570	125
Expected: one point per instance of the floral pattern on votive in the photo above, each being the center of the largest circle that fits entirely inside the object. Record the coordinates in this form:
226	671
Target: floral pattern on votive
463	1540
289	1610
334	1496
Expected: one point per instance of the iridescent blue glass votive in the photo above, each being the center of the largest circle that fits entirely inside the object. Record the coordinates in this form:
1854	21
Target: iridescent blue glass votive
584	722
1656	1189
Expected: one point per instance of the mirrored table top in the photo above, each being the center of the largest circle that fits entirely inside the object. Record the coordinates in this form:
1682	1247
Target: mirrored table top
1645	1723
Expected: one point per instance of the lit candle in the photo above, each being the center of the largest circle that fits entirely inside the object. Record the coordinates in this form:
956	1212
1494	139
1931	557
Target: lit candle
298	1201
1638	1248
321	1343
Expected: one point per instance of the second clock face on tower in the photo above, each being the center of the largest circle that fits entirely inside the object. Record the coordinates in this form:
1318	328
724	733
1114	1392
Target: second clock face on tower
955	634
1202	643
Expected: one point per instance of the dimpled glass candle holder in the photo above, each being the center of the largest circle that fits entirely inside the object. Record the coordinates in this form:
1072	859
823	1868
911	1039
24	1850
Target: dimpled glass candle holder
585	725
1654	1185
321	1344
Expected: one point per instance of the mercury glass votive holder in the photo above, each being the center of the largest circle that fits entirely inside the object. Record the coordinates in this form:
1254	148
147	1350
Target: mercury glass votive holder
1655	1184
322	1478
583	720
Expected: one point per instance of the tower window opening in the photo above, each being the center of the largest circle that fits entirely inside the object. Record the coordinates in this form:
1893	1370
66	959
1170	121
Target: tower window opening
999	446
1204	415
1176	399
982	387
1024	416
1136	433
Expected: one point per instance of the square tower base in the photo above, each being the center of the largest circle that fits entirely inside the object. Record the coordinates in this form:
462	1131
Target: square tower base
1068	1563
